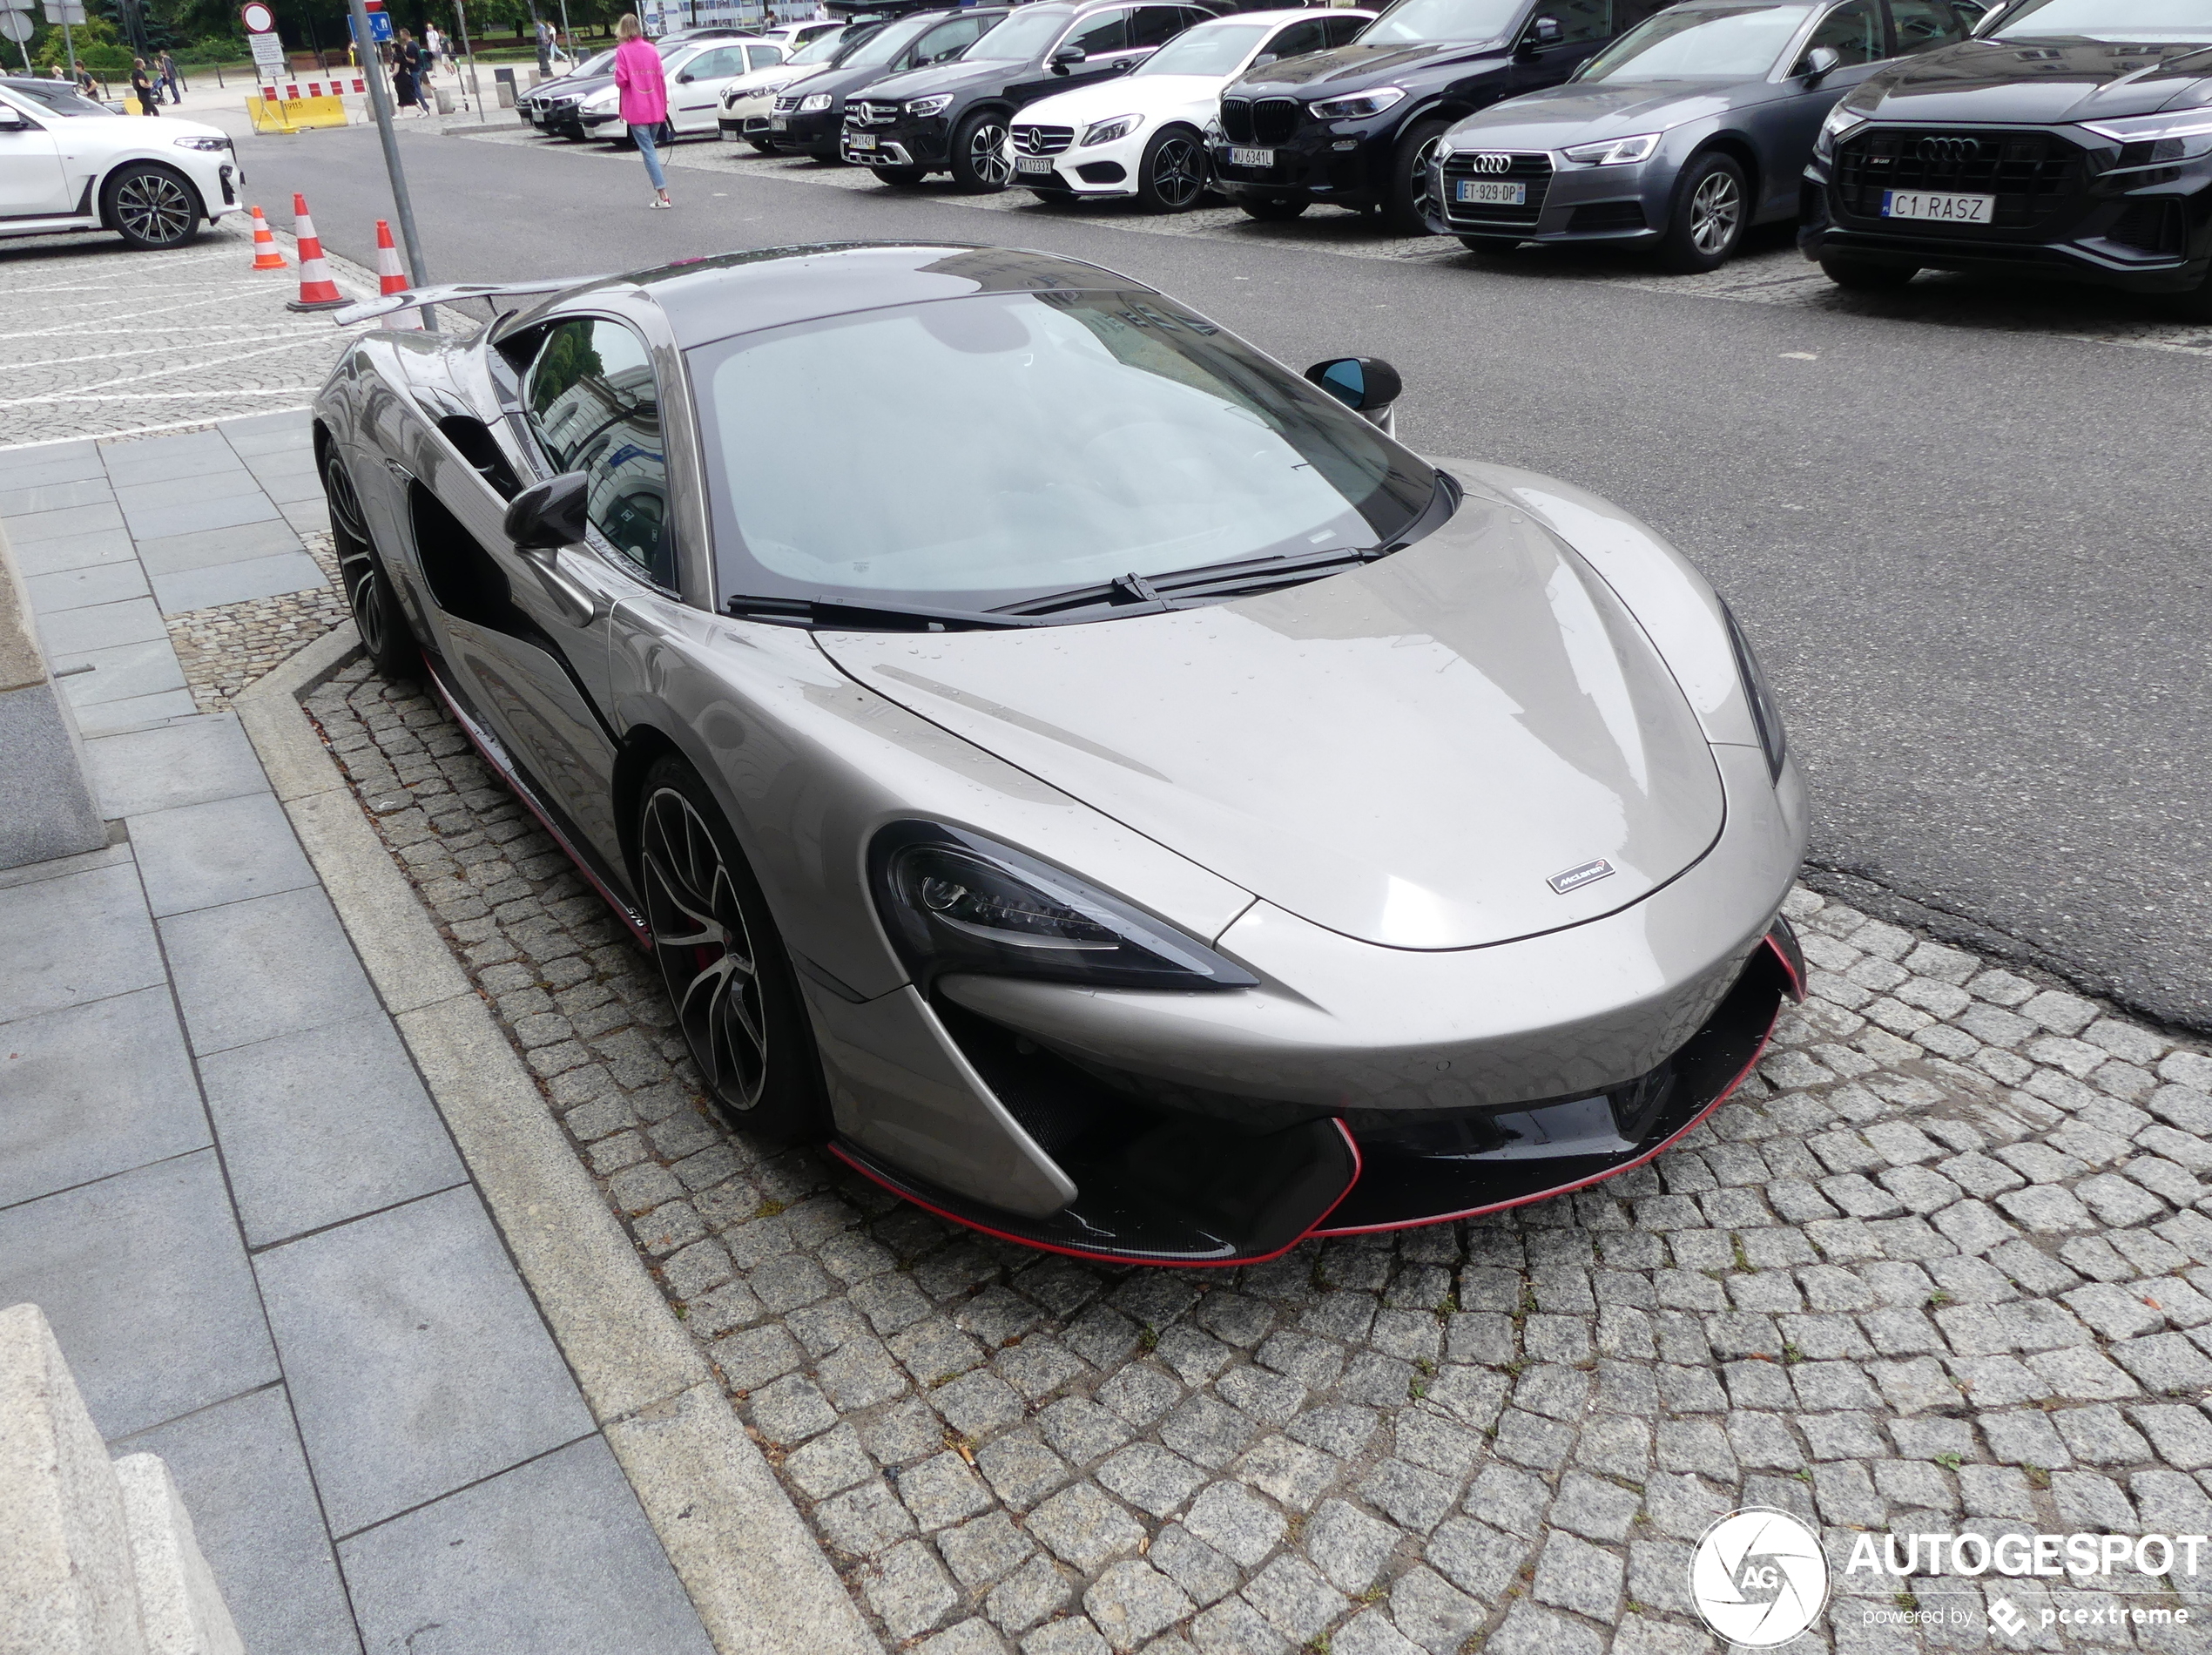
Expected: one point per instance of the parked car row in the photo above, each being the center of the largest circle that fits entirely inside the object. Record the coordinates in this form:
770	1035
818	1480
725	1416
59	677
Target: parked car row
2065	136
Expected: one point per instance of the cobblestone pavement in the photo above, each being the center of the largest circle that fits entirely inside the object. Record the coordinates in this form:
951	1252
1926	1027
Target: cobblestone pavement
1770	275
97	340
1944	1264
224	649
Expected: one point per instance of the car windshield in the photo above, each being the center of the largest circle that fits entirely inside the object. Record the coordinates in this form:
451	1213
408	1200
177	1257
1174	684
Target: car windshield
59	99
1023	36
600	62
1210	49
1411	22
2130	20
881	46
819	49
1740	43
1047	442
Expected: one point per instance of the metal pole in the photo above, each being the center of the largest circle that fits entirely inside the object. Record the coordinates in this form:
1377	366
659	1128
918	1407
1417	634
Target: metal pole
569	34
476	86
379	102
69	42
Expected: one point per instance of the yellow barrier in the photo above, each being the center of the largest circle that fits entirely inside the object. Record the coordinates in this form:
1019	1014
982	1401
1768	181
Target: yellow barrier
295	114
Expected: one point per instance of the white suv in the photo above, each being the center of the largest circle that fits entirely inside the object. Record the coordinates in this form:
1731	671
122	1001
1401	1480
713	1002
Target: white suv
68	164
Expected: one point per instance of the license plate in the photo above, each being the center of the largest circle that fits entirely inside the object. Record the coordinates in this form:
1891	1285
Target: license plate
862	140
1944	209
1487	193
1252	158
781	123
1033	164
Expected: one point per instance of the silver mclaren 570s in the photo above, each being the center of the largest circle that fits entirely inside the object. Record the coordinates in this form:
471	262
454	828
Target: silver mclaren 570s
1094	781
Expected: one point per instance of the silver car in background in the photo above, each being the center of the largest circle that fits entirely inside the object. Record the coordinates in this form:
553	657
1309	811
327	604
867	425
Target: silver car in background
1679	136
1147	812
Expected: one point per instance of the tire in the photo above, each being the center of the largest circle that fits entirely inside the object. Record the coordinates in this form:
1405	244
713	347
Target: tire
385	635
1491	246
1172	176
2195	305
1269	210
723	961
151	206
981	165
902	178
1861	275
1409	176
1707	219
761	145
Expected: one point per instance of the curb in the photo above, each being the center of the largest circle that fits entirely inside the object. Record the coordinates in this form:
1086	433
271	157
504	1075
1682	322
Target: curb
756	1575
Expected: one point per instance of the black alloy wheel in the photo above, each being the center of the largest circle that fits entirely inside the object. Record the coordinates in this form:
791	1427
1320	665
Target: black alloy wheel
1866	275
151	206
1172	176
1712	210
1409	175
982	163
902	177
728	978
382	624
1271	209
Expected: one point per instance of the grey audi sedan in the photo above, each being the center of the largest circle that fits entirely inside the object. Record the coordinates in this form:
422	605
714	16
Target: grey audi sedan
1144	810
1689	128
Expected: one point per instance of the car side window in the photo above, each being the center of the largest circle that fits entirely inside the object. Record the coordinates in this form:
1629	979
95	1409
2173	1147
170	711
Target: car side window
1582	22
1853	31
763	56
720	64
1099	35
948	40
1293	40
1338	31
1156	26
595	409
1922	25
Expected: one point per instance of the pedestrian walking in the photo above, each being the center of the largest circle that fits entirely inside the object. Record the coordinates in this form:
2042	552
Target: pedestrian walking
544	47
173	77
407	62
142	88
85	86
644	93
434	45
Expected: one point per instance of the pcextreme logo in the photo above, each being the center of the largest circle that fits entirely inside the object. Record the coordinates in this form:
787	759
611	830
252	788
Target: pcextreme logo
1759	1577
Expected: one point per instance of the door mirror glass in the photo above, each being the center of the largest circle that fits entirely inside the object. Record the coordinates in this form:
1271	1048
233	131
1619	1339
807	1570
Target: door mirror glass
1822	61
1364	384
550	515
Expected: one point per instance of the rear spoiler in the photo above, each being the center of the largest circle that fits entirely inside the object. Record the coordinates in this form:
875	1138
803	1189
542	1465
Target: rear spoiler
453	293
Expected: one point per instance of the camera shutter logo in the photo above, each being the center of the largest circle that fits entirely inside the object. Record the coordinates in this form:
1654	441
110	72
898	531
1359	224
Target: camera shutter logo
1759	1577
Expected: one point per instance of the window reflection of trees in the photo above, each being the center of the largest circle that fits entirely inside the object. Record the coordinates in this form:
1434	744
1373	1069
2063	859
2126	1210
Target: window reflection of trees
597	407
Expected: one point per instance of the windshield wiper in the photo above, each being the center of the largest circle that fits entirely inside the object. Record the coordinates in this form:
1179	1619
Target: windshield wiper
866	618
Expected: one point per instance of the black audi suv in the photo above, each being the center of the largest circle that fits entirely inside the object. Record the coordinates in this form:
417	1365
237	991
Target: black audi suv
952	117
810	112
2071	137
1356	126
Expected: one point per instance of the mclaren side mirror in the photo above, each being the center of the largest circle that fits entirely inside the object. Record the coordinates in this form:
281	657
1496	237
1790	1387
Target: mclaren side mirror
1366	385
548	515
1067	57
1820	62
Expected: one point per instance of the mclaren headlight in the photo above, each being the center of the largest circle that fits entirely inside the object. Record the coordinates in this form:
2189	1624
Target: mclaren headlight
1766	711
1356	107
1840	120
953	900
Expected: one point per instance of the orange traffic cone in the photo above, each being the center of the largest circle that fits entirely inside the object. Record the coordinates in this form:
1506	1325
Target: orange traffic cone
265	255
317	290
391	279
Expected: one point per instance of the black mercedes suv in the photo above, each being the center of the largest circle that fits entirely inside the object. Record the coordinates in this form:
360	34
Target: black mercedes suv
2070	137
809	116
952	117
1356	125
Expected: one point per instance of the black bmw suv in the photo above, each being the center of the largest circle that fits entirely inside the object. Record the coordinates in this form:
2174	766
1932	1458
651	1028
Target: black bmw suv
952	117
2069	137
809	116
1356	126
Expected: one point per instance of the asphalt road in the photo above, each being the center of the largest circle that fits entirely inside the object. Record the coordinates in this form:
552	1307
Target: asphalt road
1971	549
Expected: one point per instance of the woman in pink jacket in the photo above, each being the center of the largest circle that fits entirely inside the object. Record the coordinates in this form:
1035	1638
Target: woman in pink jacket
644	97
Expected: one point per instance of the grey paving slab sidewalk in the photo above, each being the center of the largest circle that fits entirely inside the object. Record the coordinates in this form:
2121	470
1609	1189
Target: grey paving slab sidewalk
220	1174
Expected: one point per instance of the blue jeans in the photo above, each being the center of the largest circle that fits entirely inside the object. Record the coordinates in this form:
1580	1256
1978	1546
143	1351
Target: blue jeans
644	137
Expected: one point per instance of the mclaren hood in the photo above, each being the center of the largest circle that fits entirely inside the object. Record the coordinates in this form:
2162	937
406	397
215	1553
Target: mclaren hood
1465	743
